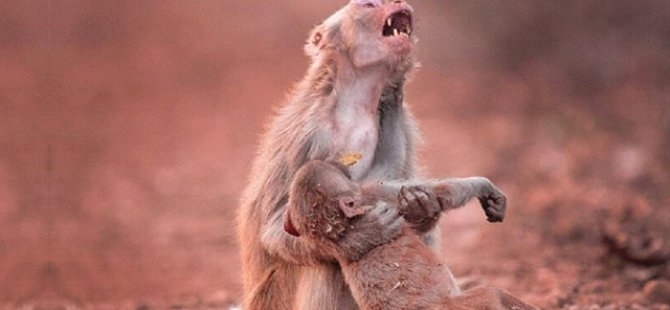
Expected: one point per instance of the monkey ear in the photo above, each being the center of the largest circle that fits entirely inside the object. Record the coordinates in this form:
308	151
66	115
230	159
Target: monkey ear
288	225
349	207
314	42
326	34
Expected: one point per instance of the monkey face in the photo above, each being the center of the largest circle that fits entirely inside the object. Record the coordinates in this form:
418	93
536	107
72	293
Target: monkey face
370	31
323	199
321	215
340	194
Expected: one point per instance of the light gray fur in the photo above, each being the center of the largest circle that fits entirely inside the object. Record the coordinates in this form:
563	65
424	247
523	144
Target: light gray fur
281	271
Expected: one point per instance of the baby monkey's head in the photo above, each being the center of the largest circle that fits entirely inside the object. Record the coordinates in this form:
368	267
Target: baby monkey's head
322	200
369	32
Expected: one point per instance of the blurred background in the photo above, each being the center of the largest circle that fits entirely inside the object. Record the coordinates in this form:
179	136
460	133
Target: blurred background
127	129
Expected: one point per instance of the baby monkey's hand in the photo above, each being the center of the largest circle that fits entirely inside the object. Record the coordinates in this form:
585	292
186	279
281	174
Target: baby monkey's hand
419	206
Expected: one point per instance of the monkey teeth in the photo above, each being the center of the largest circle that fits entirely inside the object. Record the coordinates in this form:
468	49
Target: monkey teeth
397	32
397	24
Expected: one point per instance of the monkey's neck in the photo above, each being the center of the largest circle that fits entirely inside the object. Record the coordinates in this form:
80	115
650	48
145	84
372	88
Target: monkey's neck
358	90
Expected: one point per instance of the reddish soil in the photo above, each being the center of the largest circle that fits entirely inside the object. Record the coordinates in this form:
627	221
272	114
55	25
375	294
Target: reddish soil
127	129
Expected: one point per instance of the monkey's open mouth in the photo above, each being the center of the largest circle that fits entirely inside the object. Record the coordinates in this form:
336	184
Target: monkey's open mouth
398	23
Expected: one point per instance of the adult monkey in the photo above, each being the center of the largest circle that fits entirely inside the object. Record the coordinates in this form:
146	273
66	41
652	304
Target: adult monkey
350	101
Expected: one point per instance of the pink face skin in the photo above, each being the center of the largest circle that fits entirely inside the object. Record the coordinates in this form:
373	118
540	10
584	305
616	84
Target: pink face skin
379	31
374	31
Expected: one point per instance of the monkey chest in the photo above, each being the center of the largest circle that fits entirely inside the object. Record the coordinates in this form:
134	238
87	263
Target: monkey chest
356	136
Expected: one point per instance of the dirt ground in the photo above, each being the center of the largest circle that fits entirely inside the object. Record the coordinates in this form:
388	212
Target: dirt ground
127	129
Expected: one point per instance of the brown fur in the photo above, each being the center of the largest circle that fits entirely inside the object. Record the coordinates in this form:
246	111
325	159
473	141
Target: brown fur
283	272
401	274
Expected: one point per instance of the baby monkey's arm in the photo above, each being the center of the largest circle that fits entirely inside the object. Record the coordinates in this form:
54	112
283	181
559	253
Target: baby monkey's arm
415	198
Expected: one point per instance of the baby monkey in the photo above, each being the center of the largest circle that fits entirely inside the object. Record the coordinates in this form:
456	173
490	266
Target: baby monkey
403	273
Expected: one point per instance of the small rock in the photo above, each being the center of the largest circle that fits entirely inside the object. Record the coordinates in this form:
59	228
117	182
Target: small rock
638	307
657	291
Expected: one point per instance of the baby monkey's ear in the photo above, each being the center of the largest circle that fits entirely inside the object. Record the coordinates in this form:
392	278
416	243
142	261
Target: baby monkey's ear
349	207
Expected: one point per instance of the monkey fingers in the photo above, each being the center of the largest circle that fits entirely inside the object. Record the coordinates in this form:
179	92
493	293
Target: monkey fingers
419	207
494	206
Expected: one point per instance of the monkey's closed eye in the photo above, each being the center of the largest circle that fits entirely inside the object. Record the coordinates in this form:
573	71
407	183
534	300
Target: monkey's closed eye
368	3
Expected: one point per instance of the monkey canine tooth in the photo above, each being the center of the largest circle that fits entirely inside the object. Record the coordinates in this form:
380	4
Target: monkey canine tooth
398	23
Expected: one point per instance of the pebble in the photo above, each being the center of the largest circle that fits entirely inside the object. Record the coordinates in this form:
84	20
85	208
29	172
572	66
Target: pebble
657	291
